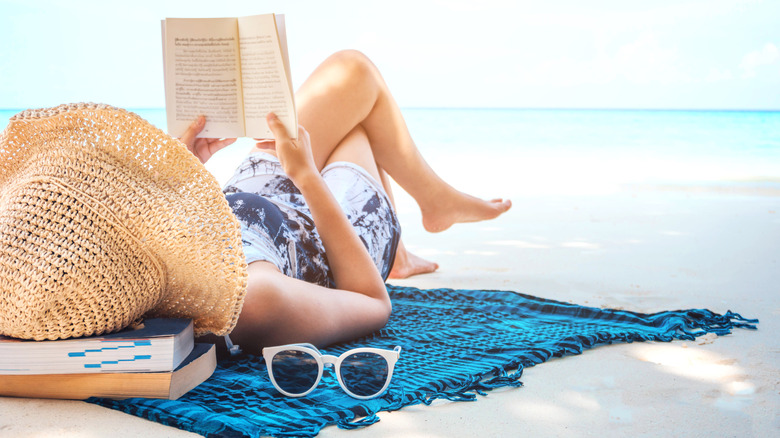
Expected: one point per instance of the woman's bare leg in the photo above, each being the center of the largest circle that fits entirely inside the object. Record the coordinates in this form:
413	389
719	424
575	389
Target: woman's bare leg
356	148
347	91
406	264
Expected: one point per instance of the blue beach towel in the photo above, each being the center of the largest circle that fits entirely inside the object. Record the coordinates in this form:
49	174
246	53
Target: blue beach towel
456	344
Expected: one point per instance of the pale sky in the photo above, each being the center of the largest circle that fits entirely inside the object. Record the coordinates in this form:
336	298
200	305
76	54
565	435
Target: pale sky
708	54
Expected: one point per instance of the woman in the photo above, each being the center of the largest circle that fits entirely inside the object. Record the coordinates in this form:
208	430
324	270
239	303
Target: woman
355	132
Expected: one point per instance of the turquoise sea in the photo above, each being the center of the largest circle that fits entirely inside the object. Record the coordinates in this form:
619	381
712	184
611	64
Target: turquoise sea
530	151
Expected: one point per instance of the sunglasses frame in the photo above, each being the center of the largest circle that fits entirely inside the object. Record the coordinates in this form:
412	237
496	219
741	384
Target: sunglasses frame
391	356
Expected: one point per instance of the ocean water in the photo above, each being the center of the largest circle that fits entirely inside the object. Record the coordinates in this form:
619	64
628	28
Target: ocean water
522	151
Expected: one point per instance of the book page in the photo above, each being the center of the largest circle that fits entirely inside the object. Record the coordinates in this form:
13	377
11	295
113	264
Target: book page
281	30
267	86
203	75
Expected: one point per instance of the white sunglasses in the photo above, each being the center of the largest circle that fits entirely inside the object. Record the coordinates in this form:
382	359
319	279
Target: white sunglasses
363	373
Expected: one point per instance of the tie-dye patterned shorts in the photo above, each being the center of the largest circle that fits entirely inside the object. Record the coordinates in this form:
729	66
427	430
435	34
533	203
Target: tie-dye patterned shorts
276	224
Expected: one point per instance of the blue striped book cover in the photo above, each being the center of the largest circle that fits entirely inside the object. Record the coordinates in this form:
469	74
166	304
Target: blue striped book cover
158	344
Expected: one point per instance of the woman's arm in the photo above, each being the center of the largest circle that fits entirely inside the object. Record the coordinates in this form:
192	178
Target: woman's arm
352	267
279	309
282	310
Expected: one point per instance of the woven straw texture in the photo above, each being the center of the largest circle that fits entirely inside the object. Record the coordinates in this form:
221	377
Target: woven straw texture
104	219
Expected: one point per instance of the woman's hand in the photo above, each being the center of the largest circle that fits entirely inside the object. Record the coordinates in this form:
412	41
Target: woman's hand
203	148
295	155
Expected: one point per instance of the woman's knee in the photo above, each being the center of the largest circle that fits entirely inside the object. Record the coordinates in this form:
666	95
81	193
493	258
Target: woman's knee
355	65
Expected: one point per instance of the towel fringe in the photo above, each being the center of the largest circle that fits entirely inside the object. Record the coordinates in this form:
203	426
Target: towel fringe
465	391
687	325
350	424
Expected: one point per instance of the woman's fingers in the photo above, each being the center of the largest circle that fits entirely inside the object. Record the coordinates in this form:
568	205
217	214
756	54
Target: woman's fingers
192	131
280	132
215	145
265	143
203	148
303	134
295	155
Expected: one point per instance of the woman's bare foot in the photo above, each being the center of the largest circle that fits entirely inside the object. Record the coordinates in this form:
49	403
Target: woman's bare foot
459	207
407	264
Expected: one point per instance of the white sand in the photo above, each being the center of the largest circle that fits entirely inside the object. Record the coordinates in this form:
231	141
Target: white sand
637	249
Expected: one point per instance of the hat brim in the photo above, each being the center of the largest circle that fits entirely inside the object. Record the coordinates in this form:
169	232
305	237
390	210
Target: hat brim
150	184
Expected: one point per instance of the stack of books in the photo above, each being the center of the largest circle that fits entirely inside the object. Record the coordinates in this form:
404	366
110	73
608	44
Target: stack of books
156	359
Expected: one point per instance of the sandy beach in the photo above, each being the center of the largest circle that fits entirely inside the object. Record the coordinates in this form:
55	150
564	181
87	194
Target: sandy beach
639	248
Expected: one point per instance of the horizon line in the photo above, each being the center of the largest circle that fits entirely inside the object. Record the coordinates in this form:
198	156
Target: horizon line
519	108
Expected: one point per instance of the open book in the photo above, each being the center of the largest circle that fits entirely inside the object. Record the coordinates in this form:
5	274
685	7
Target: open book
232	70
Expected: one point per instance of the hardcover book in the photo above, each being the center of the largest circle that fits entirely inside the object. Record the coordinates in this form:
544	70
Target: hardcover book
158	344
195	369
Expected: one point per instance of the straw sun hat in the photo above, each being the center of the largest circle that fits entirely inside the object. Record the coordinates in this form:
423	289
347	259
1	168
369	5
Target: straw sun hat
104	219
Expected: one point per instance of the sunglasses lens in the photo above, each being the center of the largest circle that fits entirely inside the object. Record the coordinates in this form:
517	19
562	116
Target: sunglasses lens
295	371
364	374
